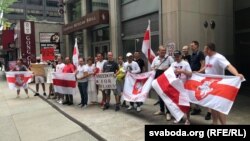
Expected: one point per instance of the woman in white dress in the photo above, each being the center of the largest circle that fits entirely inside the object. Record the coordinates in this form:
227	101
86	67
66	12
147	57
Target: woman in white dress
92	93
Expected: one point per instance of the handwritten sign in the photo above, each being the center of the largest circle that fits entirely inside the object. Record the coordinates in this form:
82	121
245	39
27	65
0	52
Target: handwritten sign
38	69
106	80
48	54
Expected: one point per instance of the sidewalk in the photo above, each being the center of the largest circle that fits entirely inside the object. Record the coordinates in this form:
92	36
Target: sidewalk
29	119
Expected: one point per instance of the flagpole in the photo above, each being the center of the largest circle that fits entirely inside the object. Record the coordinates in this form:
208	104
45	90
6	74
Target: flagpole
149	49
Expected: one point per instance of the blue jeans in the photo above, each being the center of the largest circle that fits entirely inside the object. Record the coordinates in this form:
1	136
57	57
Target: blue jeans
83	87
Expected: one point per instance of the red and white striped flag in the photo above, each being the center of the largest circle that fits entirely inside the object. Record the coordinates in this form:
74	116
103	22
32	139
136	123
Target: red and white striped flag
75	56
64	83
18	79
137	86
146	46
173	93
213	91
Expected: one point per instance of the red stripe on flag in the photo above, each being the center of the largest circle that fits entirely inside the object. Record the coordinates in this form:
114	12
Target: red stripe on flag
13	79
171	92
64	83
146	35
221	90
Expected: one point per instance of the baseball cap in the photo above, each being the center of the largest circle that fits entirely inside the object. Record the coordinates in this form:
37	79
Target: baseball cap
129	54
177	52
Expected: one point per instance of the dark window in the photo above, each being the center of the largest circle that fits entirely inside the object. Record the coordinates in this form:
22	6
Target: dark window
74	10
52	3
35	2
100	34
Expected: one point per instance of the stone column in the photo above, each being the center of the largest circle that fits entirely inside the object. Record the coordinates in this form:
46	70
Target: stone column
86	38
115	27
170	20
66	43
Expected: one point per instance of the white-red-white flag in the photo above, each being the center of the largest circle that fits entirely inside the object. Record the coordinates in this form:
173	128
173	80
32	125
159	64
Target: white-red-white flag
173	93
137	86
75	56
146	46
64	83
213	91
18	79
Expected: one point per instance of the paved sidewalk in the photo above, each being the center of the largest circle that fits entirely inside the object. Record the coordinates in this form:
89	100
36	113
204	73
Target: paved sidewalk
35	119
32	119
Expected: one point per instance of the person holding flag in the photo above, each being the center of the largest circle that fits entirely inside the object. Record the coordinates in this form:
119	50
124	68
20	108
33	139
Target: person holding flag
20	67
160	64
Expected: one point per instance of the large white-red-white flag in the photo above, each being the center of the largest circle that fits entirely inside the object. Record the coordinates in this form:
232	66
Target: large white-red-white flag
64	83
213	91
75	56
18	79
146	46
173	93
137	86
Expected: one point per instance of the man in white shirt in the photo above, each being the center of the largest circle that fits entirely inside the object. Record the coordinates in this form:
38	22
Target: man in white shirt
59	68
160	64
99	69
216	63
132	67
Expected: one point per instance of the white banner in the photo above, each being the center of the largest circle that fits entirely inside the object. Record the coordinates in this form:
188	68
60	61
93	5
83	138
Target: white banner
106	80
137	86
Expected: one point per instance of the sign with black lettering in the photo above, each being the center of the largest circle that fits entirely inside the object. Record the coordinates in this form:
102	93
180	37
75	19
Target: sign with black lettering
106	80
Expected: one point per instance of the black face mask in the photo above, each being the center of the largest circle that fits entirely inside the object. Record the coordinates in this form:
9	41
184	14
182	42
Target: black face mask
49	63
38	61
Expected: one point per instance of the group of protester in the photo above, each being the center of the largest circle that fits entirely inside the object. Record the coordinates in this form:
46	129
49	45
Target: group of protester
184	64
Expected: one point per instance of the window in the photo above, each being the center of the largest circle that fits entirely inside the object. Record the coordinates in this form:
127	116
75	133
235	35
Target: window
52	3
16	11
74	10
100	34
53	14
126	1
99	5
35	12
35	2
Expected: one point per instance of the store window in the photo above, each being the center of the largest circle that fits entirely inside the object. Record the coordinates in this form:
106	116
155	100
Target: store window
35	2
74	10
35	12
100	34
79	36
52	3
99	5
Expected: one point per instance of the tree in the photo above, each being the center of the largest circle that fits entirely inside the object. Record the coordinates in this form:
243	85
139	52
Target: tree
5	8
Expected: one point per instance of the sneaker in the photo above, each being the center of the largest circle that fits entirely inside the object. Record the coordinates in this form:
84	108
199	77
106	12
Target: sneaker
159	113
187	122
168	117
36	94
65	102
196	112
138	109
175	121
158	102
44	94
208	116
84	106
117	108
70	103
130	107
106	106
60	101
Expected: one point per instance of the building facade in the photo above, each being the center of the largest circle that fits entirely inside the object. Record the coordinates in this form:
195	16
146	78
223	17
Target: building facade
40	10
172	21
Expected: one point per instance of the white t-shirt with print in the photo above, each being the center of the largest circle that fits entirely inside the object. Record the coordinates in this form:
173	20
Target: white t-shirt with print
80	73
91	70
183	65
216	64
59	67
132	67
99	65
159	64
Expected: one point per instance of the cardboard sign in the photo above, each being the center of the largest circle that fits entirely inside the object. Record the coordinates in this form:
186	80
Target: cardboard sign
38	69
48	54
106	80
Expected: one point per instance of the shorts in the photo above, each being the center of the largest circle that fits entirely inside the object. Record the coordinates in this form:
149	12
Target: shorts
119	86
39	79
107	92
25	86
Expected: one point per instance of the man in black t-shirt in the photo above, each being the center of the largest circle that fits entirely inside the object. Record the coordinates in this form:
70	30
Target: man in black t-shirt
139	61
197	63
111	66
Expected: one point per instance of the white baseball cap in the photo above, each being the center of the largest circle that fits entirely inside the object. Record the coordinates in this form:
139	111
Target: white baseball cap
129	54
